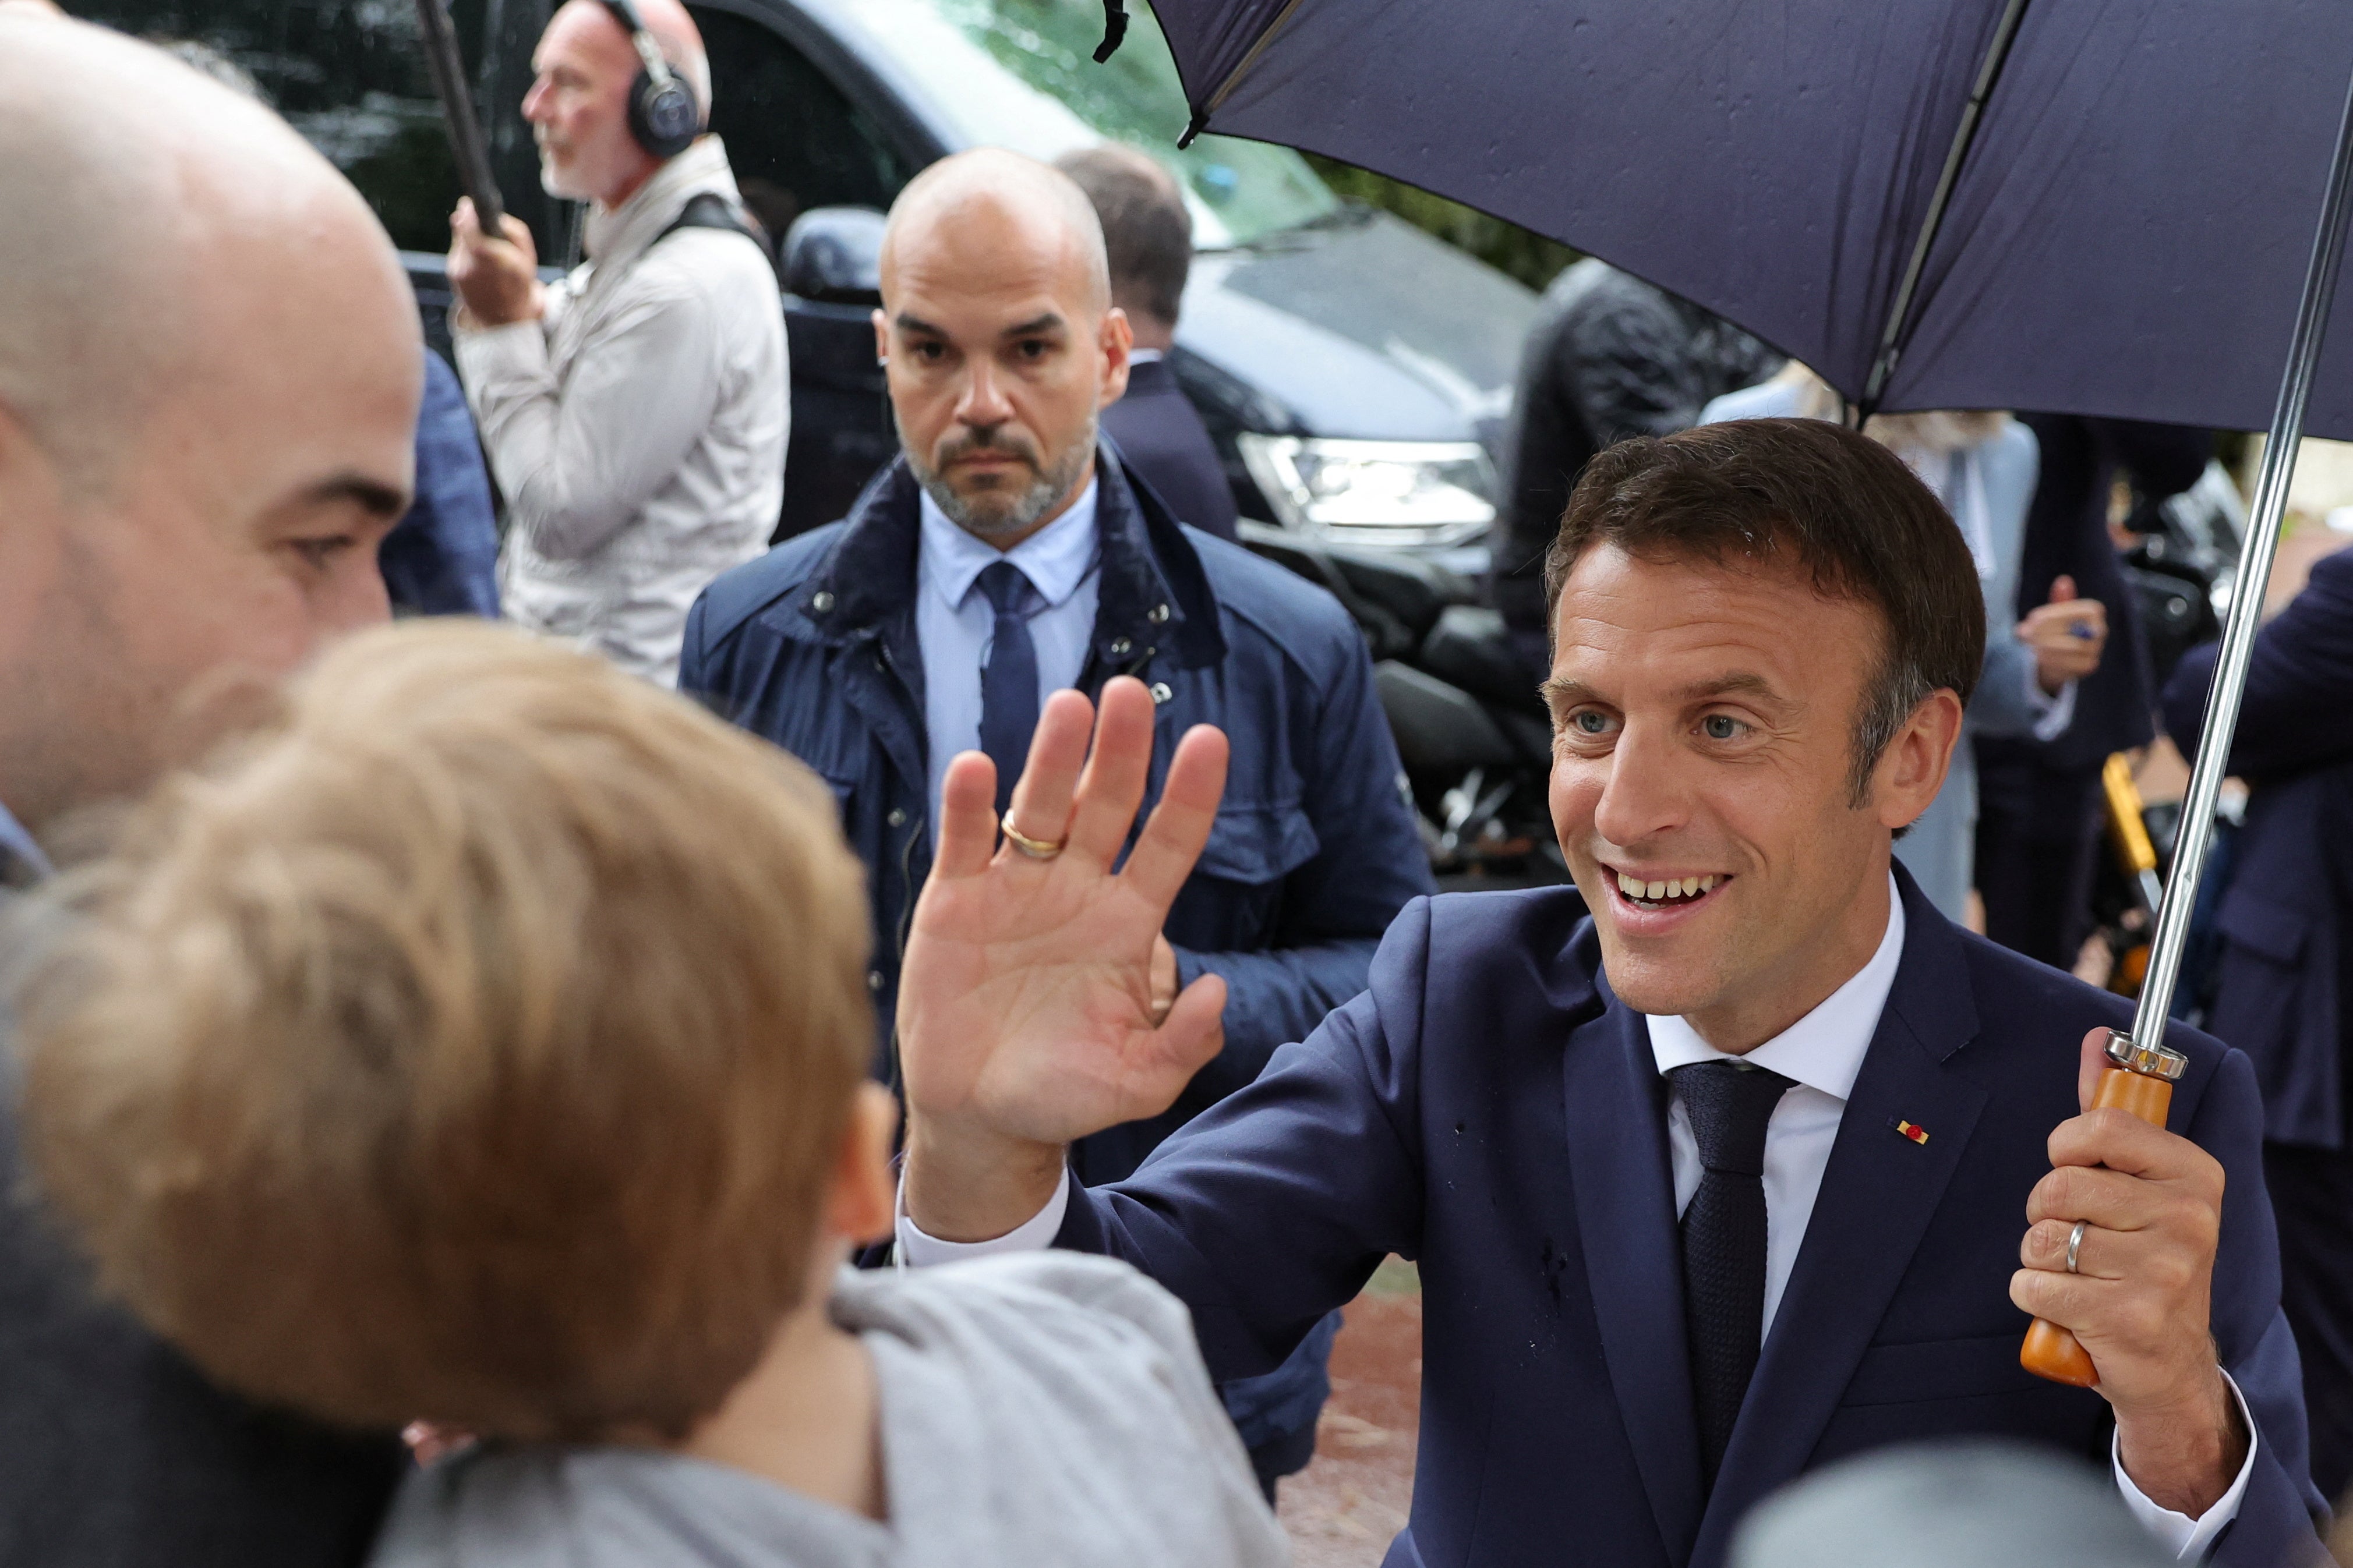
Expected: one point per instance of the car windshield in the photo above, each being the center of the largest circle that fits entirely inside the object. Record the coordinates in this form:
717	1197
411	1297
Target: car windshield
1021	73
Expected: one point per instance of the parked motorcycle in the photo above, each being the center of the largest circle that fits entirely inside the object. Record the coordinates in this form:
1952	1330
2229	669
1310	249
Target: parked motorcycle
1474	735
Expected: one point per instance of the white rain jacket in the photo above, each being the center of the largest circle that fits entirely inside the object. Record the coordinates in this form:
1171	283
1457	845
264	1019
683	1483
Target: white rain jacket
638	429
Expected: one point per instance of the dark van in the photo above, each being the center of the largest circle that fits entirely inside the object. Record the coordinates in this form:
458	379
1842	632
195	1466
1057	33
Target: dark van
1355	372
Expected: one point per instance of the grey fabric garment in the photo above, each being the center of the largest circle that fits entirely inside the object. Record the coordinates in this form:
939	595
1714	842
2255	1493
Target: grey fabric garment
1948	1505
1042	1409
638	428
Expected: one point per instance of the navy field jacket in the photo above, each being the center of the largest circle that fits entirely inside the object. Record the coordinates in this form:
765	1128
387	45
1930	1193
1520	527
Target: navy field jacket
1315	850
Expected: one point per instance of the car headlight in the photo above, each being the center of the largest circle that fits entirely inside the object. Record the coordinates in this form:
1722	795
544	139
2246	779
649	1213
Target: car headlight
1374	492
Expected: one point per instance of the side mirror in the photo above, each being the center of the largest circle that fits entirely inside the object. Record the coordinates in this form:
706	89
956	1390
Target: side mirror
834	256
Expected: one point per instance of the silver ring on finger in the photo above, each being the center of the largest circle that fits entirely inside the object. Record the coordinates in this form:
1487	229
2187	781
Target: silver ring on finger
2075	1243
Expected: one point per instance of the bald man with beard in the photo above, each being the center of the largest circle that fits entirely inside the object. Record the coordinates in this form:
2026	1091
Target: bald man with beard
1007	556
209	374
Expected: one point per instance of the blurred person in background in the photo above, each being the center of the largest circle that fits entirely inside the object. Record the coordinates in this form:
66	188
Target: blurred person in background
2041	815
442	558
1609	356
1148	237
201	447
1005	556
635	412
2283	984
1983	467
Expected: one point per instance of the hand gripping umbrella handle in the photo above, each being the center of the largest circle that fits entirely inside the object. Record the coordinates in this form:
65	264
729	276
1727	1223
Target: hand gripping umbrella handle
2141	1083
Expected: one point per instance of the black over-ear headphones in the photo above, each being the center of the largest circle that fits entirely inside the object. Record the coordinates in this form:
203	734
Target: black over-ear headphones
664	115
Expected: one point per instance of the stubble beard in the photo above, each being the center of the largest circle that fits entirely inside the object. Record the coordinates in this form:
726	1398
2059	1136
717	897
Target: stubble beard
994	514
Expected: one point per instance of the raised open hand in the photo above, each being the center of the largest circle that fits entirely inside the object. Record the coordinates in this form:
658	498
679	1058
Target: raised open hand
1027	1017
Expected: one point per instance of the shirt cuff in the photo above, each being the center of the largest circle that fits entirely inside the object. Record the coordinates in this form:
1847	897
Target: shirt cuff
2188	1539
1036	1234
2053	711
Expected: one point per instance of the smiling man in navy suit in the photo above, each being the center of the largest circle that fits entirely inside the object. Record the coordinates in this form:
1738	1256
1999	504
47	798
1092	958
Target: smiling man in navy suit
1751	1167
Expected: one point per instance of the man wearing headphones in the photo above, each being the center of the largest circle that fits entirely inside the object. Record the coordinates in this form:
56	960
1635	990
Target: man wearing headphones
635	412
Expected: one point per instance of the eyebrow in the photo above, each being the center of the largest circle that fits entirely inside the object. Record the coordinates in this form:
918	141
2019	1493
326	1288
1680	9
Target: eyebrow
1050	321
1559	692
371	496
1738	683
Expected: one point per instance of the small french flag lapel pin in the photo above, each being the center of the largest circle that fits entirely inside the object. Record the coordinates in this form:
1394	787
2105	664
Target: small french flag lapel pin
1912	1130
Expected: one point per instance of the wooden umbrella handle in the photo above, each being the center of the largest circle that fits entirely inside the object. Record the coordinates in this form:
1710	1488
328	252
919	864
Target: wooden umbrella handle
2051	1351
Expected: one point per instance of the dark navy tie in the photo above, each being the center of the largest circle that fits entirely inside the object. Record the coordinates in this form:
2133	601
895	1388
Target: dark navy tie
1724	1239
1009	683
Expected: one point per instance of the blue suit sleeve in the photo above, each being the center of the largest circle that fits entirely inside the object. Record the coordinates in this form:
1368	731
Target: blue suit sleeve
2275	1524
1370	861
1274	1206
691	679
2298	709
442	557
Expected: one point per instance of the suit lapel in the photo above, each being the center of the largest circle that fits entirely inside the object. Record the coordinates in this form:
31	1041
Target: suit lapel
1878	1193
1625	1193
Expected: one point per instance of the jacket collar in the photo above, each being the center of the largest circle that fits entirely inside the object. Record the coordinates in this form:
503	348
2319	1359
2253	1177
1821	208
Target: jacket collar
1153	596
615	239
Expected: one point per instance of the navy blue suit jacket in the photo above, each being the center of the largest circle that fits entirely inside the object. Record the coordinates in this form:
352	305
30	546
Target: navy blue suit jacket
1490	1109
442	557
1161	440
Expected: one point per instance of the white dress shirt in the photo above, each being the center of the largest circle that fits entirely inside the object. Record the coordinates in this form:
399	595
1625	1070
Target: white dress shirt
16	841
955	622
1822	1052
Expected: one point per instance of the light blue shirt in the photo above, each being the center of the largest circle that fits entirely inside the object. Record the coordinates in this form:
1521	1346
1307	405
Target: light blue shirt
955	622
16	841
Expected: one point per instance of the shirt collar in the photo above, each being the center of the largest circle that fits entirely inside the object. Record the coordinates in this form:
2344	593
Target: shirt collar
15	840
1056	559
1825	1049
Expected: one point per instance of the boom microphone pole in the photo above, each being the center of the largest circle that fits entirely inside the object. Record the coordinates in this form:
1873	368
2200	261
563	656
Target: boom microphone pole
448	70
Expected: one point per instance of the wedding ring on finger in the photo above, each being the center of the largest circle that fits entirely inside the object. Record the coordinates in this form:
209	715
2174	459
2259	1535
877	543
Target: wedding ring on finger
2075	1243
1036	848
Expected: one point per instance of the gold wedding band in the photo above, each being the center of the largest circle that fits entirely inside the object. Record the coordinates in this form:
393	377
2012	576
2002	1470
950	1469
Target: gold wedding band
1036	848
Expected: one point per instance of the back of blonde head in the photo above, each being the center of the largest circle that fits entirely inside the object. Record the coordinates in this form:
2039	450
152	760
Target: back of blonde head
473	1043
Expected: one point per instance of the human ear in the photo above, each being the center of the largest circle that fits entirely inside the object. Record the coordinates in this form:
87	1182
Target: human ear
1115	339
1913	768
861	1201
882	338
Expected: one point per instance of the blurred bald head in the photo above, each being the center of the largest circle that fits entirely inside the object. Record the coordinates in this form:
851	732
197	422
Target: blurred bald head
1000	337
209	371
578	105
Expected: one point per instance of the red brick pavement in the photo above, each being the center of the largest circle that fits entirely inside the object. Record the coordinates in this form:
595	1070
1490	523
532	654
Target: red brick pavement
1342	1510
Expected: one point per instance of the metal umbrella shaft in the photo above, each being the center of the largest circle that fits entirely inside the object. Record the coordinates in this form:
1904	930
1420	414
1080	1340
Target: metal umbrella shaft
2197	830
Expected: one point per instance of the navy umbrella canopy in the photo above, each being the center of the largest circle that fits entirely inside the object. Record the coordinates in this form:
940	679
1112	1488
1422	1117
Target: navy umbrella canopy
2124	207
2125	235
